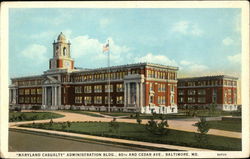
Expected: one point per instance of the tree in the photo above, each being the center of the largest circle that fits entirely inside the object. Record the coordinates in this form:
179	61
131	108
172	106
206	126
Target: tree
114	126
157	128
68	124
51	122
138	119
202	128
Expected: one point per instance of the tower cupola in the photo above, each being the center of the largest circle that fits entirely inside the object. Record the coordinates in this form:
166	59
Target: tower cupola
61	54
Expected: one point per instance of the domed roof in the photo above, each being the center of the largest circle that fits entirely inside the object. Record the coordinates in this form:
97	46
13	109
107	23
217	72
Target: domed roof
61	37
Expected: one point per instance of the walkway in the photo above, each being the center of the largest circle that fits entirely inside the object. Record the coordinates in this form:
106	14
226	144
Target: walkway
173	124
183	125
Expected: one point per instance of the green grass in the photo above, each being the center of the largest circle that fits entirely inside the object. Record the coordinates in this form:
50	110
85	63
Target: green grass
83	112
208	113
29	116
231	125
138	132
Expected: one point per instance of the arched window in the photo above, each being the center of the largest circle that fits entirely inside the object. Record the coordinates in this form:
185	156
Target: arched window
64	51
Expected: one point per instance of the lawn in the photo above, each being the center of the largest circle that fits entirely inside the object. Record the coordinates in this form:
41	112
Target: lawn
138	132
231	125
83	112
29	116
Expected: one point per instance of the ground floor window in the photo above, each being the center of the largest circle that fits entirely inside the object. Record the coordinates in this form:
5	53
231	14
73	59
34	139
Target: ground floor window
78	100
161	100
32	99
87	100
106	100
119	99
98	100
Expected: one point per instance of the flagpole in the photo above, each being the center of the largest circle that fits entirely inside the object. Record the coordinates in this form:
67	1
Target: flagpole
108	78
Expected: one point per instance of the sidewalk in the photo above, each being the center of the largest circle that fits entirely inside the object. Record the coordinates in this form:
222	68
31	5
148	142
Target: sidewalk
166	146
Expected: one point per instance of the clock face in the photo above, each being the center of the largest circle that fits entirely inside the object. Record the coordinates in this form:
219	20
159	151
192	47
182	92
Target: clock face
67	64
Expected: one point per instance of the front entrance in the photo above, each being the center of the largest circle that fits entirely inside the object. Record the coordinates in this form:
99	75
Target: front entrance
49	96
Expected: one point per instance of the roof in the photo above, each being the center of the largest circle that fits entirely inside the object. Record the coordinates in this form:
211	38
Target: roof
207	78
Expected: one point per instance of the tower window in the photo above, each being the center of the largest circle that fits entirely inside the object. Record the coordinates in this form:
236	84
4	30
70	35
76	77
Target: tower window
64	51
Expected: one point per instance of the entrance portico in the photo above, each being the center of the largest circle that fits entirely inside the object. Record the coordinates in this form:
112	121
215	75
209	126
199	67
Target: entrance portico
133	92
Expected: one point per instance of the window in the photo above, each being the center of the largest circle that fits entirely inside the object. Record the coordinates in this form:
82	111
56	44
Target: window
119	100
32	99
33	91
151	99
21	99
181	92
21	91
161	88
191	100
180	99
172	99
172	88
98	88
107	88
98	100
106	100
201	100
78	89
191	92
161	100
27	99
151	86
39	91
39	99
87	100
87	89
78	100
27	91
119	88
201	92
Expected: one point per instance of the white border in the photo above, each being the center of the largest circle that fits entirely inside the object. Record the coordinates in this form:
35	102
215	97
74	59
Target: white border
129	4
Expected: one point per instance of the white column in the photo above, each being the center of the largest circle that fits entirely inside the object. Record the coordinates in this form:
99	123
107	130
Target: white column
45	95
137	94
59	95
125	94
141	94
53	95
128	93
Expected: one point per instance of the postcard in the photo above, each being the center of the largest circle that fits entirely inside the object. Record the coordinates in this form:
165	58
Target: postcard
137	79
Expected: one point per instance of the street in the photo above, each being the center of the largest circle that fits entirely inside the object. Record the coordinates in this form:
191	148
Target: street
25	141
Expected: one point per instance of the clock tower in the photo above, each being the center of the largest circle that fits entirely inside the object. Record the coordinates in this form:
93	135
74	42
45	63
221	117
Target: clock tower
61	54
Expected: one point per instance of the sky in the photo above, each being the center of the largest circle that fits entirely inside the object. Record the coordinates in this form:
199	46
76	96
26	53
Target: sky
205	41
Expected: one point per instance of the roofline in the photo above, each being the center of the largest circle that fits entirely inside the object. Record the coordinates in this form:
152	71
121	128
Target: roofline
126	66
208	77
24	77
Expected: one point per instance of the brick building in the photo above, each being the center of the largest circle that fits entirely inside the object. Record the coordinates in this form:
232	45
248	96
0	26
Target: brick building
204	91
141	87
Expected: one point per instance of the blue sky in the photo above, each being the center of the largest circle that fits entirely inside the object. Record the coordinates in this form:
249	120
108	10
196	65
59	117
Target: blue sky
198	41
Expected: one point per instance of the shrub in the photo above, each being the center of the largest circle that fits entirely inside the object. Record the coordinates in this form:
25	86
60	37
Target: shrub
202	128
113	125
68	124
157	128
138	119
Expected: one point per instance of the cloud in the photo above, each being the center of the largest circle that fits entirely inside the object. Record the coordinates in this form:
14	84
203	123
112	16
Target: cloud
35	52
186	28
159	59
91	50
185	63
192	68
227	41
234	59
